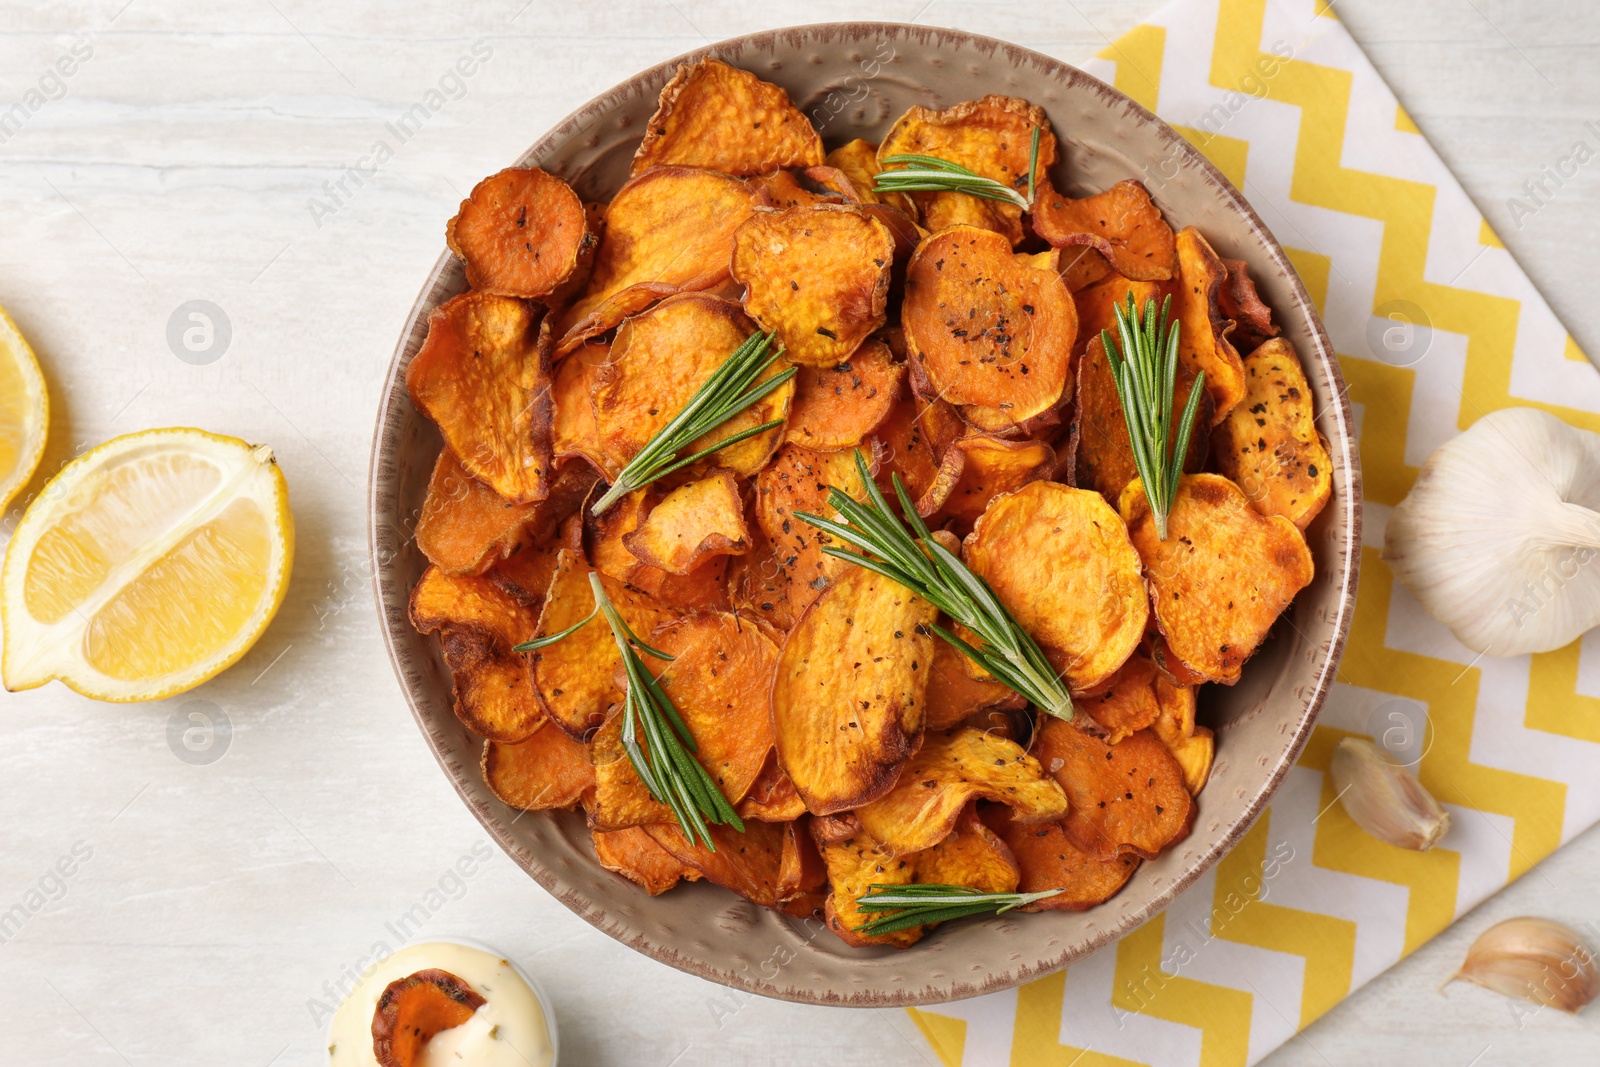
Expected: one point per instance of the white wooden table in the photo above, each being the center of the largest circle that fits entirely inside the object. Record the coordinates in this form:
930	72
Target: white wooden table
203	152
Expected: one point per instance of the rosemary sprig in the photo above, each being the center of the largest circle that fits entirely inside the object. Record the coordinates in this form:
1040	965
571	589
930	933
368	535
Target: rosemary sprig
668	769
930	902
729	390
931	174
1146	371
921	564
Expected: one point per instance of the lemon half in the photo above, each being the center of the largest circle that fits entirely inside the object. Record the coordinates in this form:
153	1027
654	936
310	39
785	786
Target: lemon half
24	411
146	566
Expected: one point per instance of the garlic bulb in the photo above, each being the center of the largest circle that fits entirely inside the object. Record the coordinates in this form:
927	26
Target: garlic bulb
1536	960
1500	537
1385	799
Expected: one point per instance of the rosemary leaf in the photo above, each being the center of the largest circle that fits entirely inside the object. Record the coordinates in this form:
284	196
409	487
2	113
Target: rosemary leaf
923	903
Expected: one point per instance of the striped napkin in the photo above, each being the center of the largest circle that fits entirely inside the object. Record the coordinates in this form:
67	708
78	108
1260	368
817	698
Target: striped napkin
1434	324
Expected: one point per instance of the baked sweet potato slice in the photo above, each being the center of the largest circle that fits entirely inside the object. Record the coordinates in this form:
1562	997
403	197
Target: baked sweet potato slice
1049	860
1269	444
716	116
1103	459
634	854
694	523
771	797
780	189
985	331
658	360
574	434
620	798
521	232
720	682
816	275
1122	224
847	704
1080	268
667	231
759	585
855	864
1203	343
798	479
1239	301
751	863
949	771
1223	575
465	526
525	575
1126	797
1129	703
954	695
855	166
411	1010
576	676
483	377
972	855
992	137
1194	755
913	440
494	691
548	770
837	407
990	467
1061	561
1097	302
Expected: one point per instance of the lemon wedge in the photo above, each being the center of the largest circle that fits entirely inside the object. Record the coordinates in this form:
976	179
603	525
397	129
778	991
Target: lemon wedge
146	566
24	411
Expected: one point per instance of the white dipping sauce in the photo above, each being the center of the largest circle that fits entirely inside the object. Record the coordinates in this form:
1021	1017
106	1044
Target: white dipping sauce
508	1030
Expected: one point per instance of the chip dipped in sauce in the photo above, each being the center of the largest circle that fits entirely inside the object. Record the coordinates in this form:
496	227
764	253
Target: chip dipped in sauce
509	1027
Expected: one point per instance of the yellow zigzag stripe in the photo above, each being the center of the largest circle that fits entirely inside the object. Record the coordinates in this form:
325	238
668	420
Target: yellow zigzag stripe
1554	703
1138	55
1034	1041
1239	914
1221	1014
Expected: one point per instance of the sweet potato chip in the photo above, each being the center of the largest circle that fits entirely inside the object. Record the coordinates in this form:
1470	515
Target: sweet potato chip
1130	703
716	116
1103	458
759	585
494	692
1223	575
1126	797
692	524
1122	223
575	676
483	377
525	575
620	798
1097	302
950	770
954	695
847	705
573	432
520	233
548	770
837	407
972	855
1080	268
780	189
667	231
986	332
1175	712
1203	343
1171	667
798	479
634	854
1061	560
1049	860
855	865
856	171
1238	300
411	1010
1194	755
720	681
750	863
990	467
817	275
914	439
1269	444
658	360
465	526
772	797
991	137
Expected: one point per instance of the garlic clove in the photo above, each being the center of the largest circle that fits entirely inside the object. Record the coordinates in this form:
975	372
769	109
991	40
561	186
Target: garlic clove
1499	538
1537	960
1384	798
